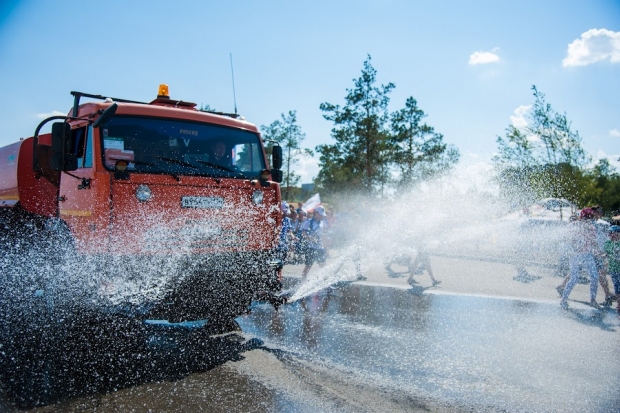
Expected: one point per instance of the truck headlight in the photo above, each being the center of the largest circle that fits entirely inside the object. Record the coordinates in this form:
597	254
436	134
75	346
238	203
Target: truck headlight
143	193
257	197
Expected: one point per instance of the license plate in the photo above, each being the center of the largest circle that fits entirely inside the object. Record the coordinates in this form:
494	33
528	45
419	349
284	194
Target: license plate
202	202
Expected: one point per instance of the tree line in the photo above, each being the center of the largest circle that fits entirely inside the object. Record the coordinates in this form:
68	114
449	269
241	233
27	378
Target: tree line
374	150
377	152
546	159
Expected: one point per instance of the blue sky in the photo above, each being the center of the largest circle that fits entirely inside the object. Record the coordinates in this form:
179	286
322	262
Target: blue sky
469	64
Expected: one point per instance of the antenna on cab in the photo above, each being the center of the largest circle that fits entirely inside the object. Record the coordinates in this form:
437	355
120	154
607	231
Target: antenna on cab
233	83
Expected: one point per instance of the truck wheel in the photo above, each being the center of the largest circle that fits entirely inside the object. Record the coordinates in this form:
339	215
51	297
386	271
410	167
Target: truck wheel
101	352
222	326
27	361
28	367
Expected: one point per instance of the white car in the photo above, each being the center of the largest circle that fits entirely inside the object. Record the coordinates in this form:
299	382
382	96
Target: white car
547	210
552	209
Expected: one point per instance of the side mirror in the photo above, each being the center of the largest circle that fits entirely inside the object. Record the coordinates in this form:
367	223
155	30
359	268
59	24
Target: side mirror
276	156
105	116
276	175
63	156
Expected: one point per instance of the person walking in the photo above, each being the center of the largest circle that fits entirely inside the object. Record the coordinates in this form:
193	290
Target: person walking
285	234
422	262
300	240
312	232
598	254
612	249
584	244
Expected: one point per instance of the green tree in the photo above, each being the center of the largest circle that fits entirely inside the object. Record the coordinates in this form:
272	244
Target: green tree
515	150
517	167
544	159
561	144
416	149
602	187
358	158
206	108
289	135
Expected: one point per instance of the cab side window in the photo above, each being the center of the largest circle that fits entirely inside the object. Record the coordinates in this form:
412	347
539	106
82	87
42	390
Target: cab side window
248	157
88	151
84	146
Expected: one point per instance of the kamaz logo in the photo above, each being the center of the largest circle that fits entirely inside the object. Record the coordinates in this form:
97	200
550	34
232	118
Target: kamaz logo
188	132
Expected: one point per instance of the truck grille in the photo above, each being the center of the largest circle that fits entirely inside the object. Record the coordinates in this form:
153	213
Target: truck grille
195	238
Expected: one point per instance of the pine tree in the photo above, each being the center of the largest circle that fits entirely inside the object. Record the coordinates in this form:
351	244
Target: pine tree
356	162
289	135
417	150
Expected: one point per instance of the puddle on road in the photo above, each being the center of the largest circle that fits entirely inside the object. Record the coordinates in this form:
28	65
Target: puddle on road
514	355
356	347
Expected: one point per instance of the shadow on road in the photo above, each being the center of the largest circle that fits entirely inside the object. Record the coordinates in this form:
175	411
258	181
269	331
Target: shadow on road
116	354
591	318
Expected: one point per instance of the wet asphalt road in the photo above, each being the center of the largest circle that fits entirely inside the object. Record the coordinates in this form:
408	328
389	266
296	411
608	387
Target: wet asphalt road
374	346
461	352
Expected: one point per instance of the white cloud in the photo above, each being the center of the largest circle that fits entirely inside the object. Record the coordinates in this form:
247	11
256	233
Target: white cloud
519	117
519	120
533	138
615	133
474	172
52	113
595	45
482	58
614	160
307	168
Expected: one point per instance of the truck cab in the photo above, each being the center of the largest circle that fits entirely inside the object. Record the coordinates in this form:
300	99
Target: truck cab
158	197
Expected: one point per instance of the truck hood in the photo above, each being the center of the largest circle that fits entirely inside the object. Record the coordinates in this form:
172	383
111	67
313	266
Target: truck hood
192	218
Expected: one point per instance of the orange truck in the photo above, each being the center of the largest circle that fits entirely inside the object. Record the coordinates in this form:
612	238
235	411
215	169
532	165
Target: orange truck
167	210
125	216
159	210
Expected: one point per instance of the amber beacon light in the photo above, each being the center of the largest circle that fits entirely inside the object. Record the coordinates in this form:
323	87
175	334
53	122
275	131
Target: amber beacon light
163	92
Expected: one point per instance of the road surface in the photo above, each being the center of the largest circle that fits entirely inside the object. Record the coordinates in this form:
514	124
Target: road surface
485	339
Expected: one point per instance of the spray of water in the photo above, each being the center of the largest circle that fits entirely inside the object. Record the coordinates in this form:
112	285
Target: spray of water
458	214
39	259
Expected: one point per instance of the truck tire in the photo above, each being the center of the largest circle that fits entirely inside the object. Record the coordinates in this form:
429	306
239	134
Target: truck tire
26	356
101	352
28	362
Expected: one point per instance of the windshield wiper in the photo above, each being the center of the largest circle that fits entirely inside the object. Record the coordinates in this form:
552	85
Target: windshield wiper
223	168
212	165
172	174
178	162
181	163
124	174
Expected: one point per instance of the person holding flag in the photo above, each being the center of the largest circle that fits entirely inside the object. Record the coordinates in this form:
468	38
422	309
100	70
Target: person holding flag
312	203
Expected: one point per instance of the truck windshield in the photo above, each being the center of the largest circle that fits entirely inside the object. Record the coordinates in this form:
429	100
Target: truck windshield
152	145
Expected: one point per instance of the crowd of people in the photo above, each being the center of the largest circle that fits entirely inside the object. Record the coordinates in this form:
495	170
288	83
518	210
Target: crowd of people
304	236
594	248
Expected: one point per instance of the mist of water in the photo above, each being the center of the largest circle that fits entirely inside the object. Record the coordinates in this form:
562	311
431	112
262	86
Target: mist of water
459	214
40	261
